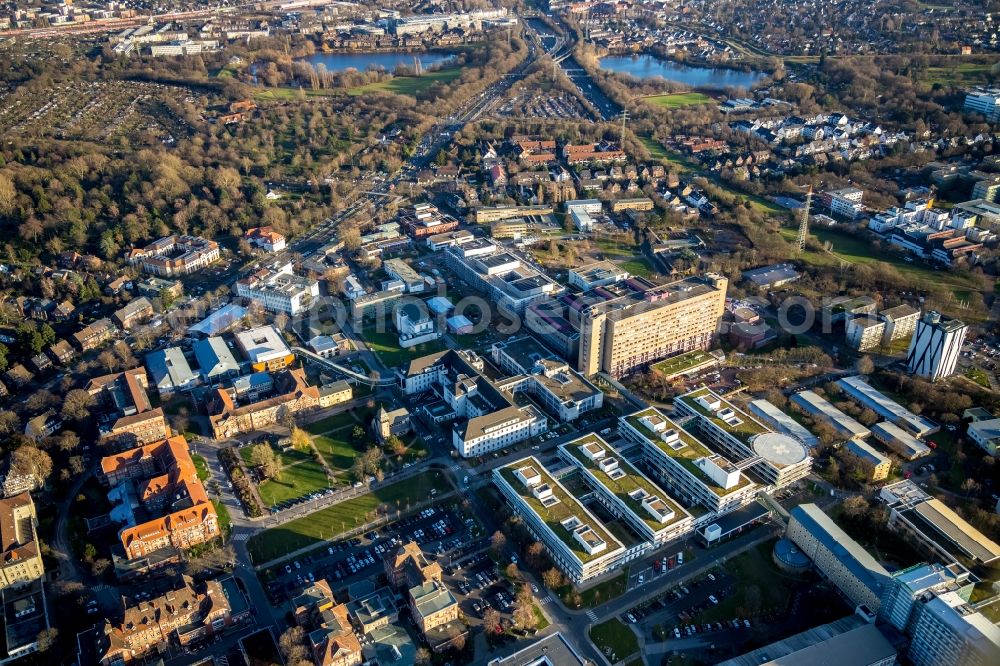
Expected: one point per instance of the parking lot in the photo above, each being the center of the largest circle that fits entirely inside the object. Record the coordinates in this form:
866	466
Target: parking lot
537	104
442	532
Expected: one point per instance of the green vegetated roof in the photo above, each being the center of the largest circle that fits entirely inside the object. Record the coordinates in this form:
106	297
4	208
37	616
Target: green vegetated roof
630	481
745	430
553	515
686	455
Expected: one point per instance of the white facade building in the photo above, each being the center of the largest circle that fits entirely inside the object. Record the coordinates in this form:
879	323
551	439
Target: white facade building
935	346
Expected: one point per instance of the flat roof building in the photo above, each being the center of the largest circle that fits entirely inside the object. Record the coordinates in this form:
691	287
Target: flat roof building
779	420
900	441
215	361
596	274
689	470
848	641
553	650
878	465
265	348
868	396
626	492
932	524
639	323
170	371
815	405
837	556
775	458
577	541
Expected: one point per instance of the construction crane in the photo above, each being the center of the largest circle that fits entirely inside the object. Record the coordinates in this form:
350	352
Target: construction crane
804	222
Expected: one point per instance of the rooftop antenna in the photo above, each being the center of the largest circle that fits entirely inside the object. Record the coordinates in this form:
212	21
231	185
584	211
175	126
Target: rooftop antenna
804	222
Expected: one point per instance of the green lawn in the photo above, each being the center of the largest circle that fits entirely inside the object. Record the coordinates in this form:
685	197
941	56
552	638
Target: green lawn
615	640
333	520
337	450
386	346
637	266
678	100
335	422
201	466
225	521
761	586
408	85
666	157
598	594
857	250
540	621
979	376
300	475
288	94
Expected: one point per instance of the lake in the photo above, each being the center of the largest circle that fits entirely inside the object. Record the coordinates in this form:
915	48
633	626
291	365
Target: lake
647	66
387	60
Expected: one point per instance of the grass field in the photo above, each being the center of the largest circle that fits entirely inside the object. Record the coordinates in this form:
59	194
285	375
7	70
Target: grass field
855	250
761	586
337	451
200	466
678	100
408	85
327	523
300	475
638	266
335	422
288	94
979	376
596	595
225	520
615	640
386	345
658	152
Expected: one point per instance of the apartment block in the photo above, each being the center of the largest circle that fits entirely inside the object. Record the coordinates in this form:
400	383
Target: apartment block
137	312
864	333
94	335
487	215
578	543
636	325
775	458
187	613
905	587
22	554
158	499
176	255
900	322
935	346
626	492
837	556
278	289
686	468
431	605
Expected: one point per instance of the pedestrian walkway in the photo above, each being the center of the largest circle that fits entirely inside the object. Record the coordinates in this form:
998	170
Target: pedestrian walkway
592	615
242	536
